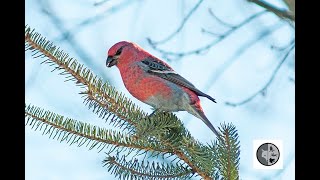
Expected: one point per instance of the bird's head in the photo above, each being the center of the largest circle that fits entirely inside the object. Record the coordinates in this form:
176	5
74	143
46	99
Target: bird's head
122	52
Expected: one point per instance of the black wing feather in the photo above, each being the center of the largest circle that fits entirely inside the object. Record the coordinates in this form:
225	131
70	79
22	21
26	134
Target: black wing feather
156	66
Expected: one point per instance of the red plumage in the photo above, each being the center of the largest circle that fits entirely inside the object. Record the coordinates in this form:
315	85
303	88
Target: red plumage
154	82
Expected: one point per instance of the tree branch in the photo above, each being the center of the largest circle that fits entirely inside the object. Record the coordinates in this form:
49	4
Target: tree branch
175	140
282	13
183	155
196	169
264	88
99	3
235	56
291	4
93	19
80	79
141	170
208	46
185	19
220	20
95	137
74	45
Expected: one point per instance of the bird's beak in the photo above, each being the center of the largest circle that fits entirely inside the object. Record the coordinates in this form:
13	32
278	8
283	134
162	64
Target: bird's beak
111	61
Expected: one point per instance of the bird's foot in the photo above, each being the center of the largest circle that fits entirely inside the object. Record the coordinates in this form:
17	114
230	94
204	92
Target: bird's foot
153	113
156	111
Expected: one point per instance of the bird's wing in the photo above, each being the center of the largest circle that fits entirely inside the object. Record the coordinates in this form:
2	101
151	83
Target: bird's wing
161	69
156	65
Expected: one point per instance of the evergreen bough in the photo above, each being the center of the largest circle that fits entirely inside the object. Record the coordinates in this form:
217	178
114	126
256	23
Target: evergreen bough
156	147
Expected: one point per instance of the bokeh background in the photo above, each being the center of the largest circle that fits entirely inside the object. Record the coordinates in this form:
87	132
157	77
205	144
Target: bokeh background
233	50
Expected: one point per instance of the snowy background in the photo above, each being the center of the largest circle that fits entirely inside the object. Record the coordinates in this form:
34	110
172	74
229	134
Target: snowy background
231	71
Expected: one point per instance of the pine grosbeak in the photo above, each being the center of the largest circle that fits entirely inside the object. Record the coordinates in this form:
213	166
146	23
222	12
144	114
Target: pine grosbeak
155	83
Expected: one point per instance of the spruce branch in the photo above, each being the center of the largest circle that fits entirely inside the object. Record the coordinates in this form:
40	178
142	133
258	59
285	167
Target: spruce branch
165	128
162	126
199	157
228	153
76	132
161	134
145	170
102	97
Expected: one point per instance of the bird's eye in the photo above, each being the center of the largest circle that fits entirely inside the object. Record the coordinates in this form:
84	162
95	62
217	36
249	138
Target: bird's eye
118	52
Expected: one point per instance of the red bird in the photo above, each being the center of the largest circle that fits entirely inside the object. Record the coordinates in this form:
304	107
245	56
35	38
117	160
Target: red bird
154	82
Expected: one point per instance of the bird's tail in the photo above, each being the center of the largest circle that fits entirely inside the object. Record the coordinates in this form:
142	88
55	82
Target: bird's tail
200	114
199	93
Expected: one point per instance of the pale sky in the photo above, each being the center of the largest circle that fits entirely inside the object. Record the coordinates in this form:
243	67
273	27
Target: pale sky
220	72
